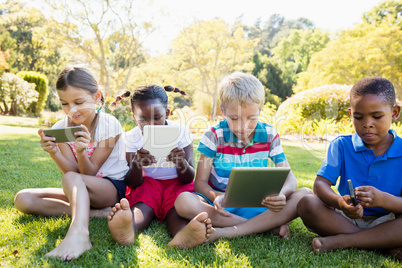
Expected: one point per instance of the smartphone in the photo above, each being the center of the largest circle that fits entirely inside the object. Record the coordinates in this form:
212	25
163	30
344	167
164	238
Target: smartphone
352	193
62	134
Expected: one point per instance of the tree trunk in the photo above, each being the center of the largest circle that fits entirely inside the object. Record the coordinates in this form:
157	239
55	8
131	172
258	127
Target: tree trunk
214	103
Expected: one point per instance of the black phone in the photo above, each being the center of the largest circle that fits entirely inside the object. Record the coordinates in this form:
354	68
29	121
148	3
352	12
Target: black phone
352	193
63	134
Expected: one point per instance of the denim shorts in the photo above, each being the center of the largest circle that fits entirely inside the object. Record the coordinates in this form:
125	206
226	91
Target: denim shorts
120	186
246	213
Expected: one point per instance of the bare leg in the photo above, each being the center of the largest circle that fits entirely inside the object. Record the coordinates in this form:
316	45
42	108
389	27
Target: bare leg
266	221
124	222
189	205
49	202
322	219
82	191
387	235
190	235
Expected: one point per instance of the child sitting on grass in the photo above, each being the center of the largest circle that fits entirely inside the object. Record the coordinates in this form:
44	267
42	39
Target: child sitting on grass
240	140
152	191
371	159
93	165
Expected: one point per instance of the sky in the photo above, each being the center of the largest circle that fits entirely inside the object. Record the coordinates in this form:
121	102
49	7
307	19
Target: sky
326	14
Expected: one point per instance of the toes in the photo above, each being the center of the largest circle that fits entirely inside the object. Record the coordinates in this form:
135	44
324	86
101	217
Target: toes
124	204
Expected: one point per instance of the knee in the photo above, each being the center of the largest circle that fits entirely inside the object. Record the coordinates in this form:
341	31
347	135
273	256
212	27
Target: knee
304	191
182	203
307	206
23	201
71	178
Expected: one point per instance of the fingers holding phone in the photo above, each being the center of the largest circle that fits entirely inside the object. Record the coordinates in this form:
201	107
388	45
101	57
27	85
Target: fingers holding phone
83	139
353	212
48	144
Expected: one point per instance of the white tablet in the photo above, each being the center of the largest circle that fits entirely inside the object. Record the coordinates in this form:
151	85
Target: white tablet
248	186
160	140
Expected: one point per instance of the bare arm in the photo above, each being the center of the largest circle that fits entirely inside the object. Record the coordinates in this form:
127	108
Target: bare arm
60	153
322	188
370	196
183	158
204	168
91	166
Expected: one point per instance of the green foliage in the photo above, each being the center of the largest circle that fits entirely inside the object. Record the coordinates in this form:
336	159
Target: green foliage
41	82
323	127
326	102
397	127
271	77
16	94
369	49
293	54
3	60
272	99
122	112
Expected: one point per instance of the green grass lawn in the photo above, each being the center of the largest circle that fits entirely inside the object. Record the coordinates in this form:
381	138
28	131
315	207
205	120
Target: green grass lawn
25	239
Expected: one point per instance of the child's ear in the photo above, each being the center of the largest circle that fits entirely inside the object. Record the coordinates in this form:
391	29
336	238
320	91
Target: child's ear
396	110
98	95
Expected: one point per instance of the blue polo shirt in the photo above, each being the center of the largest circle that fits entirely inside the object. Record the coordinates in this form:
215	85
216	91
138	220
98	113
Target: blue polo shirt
348	158
220	143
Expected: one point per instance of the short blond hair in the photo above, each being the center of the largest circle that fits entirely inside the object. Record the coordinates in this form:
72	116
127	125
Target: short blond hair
243	88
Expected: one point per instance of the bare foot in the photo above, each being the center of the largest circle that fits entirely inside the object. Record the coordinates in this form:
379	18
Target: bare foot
100	213
73	245
195	233
120	221
318	245
283	231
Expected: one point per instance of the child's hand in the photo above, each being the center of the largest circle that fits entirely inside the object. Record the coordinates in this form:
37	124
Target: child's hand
143	158
274	203
83	140
353	212
218	206
48	144
177	156
369	196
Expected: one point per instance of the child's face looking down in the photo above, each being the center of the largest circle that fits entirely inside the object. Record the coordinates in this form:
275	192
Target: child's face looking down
372	117
79	105
242	120
150	112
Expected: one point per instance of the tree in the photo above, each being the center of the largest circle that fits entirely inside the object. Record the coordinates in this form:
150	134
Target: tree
25	33
15	94
106	32
3	60
41	82
364	51
206	51
293	54
371	48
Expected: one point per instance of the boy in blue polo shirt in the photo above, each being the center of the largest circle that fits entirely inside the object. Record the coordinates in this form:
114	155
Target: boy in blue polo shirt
239	141
371	158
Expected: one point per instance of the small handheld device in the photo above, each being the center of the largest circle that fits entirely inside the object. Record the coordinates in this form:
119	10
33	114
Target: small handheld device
62	134
352	193
159	140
